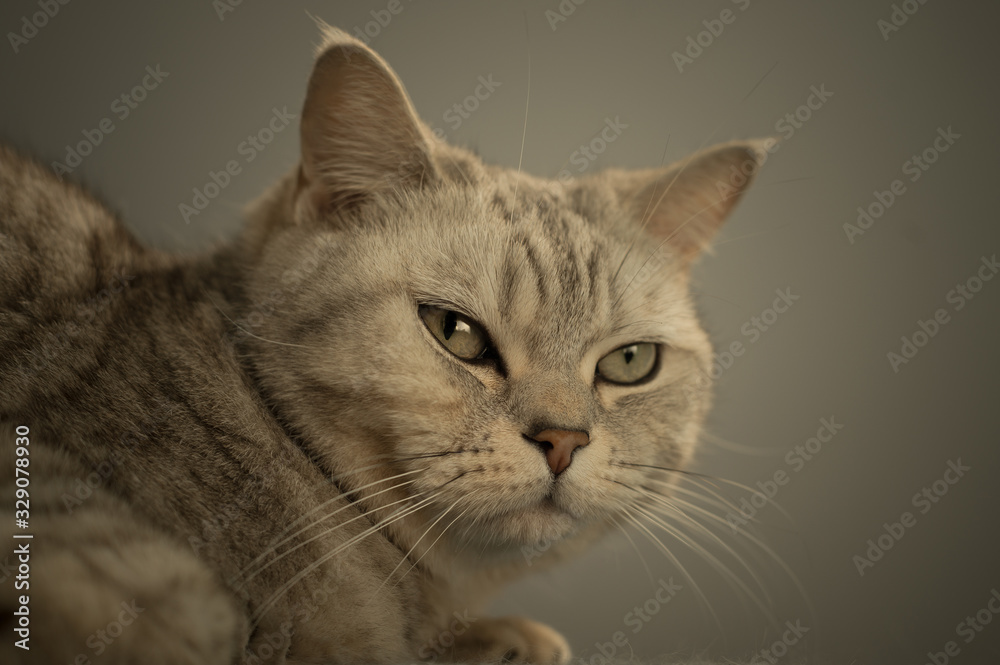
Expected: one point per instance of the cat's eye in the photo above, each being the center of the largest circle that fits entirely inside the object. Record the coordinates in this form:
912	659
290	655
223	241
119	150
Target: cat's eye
628	364
458	333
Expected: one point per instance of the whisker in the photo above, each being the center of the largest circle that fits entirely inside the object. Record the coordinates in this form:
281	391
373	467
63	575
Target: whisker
650	209
414	547
465	532
765	231
721	502
524	131
742	449
721	522
274	547
677	504
386	460
646	216
759	81
669	237
628	536
434	542
319	535
285	588
244	330
670	555
727	572
708	478
757	542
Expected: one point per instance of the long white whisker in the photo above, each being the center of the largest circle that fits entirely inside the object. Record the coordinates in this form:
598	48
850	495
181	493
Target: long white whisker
642	559
340	497
676	511
385	460
697	479
247	332
263	609
670	555
757	542
317	536
524	130
722	568
434	542
414	547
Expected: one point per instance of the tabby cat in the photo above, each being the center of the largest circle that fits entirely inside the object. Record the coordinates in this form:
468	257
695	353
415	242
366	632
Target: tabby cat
330	440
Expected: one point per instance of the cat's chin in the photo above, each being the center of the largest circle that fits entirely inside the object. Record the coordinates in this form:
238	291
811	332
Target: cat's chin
537	526
550	522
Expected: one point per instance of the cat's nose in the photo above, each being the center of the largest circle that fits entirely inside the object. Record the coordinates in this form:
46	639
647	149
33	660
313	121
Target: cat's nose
558	446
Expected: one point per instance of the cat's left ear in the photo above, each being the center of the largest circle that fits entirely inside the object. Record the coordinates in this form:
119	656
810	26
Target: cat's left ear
360	134
685	203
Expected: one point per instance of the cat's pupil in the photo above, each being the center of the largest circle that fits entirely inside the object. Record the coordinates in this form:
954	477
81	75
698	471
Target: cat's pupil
629	354
450	323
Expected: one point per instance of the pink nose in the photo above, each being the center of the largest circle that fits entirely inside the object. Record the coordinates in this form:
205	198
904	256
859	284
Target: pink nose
558	446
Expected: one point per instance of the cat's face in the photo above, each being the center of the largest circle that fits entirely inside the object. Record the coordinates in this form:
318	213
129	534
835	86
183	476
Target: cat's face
518	361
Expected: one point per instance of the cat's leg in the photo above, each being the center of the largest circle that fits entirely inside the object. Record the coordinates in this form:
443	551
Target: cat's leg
101	586
511	639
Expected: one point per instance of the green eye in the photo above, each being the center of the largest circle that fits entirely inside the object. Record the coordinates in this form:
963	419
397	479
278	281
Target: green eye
628	364
458	333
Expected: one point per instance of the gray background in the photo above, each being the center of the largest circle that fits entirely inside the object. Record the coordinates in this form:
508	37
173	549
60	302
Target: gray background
825	357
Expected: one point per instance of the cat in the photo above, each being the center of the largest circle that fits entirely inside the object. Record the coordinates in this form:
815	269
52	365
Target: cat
330	440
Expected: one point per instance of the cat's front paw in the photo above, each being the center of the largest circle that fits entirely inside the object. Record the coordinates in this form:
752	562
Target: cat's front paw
511	640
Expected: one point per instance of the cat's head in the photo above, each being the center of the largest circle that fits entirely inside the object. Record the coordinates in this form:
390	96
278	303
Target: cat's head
517	351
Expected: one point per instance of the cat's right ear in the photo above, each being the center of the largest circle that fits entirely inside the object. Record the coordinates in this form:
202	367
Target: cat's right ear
360	134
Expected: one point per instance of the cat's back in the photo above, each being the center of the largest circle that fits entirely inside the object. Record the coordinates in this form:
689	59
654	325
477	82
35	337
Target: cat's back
68	276
56	240
123	363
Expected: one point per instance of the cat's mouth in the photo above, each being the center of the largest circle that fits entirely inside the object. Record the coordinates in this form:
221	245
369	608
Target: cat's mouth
549	506
548	502
554	499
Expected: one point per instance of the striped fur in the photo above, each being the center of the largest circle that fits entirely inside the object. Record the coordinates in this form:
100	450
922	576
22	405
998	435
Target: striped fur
216	437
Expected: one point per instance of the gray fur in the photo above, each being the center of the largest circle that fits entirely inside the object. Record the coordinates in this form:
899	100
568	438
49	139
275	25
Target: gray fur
211	436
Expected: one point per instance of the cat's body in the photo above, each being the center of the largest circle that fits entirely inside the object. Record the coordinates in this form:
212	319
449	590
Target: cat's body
214	440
